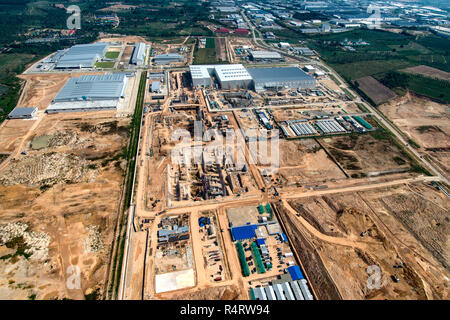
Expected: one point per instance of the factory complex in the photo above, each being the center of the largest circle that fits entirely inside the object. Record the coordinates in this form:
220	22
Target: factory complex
90	93
236	76
80	56
138	57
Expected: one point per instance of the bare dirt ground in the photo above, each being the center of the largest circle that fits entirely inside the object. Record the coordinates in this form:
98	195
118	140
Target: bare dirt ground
375	90
11	133
361	155
428	72
304	161
344	234
230	292
425	122
118	7
41	89
68	191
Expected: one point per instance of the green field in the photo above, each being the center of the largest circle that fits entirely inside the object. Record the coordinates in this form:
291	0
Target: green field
206	55
112	55
386	53
210	43
10	65
105	64
432	88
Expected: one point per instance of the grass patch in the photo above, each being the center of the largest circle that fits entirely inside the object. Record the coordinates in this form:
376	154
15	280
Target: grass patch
205	56
131	153
112	55
433	88
105	64
19	244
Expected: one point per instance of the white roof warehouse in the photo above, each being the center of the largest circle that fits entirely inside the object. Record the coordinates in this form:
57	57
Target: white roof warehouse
90	92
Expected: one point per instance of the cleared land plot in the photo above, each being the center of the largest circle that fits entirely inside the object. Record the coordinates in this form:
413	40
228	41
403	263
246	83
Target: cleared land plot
428	72
41	89
220	46
126	56
174	280
425	122
346	233
242	215
11	134
304	161
70	192
369	154
377	92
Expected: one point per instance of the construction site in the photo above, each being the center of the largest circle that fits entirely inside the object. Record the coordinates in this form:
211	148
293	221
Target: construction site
165	197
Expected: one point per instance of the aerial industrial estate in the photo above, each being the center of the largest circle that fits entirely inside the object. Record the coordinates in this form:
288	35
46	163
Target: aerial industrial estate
233	166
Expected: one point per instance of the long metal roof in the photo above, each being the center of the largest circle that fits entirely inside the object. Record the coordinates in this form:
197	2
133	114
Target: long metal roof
266	55
278	74
22	112
138	53
169	56
82	55
93	87
231	72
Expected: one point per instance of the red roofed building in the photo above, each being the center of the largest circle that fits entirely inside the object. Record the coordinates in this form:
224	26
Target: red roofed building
223	30
241	31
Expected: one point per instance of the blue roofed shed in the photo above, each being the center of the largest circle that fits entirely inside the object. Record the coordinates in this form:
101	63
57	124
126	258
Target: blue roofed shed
295	272
260	242
243	232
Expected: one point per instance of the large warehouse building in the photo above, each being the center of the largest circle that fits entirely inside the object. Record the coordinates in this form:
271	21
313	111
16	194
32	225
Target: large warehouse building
138	56
236	76
90	93
167	58
80	56
266	56
280	78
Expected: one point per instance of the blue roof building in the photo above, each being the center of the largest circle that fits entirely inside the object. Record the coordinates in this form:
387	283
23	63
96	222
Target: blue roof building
295	272
260	242
243	232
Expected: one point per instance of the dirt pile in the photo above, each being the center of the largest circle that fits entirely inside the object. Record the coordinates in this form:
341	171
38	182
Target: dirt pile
214	293
46	169
36	243
93	241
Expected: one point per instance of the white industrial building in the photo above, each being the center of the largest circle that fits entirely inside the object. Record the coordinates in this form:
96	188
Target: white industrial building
236	76
232	76
229	76
138	56
201	75
265	55
90	93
